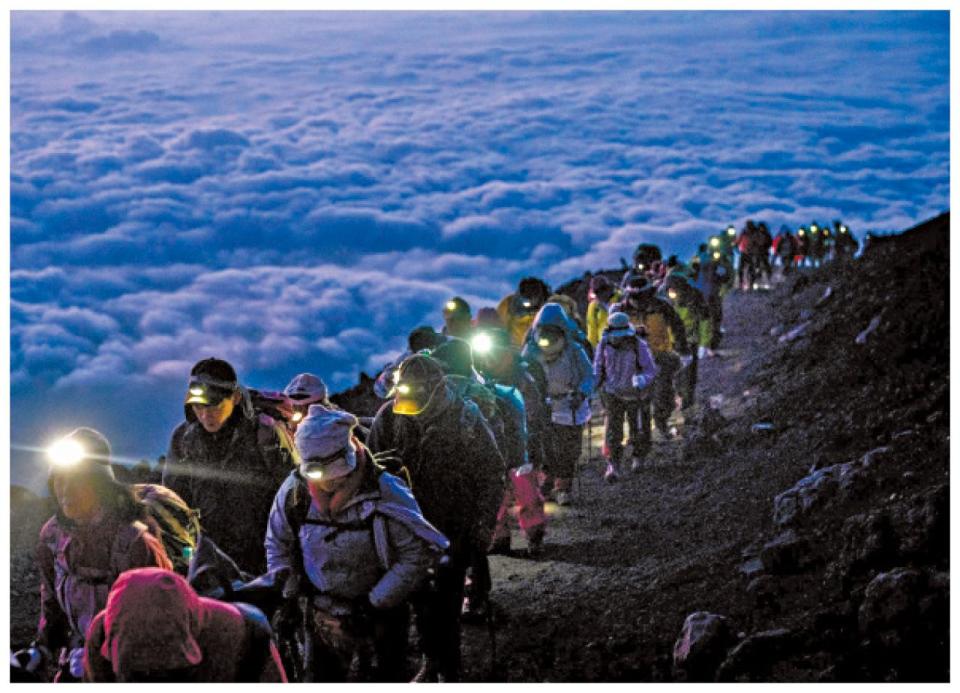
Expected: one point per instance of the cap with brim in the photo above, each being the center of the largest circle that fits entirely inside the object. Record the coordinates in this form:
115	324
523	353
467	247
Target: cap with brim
207	390
306	388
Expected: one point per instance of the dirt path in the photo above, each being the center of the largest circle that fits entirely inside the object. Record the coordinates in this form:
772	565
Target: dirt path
625	564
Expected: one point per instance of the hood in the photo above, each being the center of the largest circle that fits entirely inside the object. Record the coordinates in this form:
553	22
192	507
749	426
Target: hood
554	314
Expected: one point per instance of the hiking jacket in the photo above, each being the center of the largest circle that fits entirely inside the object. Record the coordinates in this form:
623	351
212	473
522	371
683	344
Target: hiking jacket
597	314
77	567
515	322
615	366
154	622
349	555
665	330
231	477
714	275
456	471
570	373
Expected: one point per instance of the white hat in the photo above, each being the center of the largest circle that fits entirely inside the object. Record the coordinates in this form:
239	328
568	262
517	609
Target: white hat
323	440
618	325
306	388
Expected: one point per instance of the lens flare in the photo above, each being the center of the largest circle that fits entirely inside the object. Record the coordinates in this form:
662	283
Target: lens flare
66	452
482	343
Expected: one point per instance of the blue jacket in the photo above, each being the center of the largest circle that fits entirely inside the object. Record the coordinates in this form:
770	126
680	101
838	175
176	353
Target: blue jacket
379	545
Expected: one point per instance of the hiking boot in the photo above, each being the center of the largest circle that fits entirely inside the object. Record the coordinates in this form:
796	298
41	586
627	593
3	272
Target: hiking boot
535	541
563	497
500	547
611	475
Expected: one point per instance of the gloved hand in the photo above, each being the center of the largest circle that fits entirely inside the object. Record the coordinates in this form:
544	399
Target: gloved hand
641	380
523	469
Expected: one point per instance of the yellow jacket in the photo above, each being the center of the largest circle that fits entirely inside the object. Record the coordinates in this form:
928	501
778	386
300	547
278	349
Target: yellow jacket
597	314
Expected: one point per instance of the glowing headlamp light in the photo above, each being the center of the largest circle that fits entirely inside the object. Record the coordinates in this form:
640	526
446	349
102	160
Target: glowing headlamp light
543	342
716	256
297	417
714	242
843	229
315	474
731	231
814	227
451	305
672	294
196	391
403	389
66	452
482	344
527	304
800	232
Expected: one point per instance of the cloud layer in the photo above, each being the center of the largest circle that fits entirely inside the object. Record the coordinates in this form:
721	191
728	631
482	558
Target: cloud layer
295	191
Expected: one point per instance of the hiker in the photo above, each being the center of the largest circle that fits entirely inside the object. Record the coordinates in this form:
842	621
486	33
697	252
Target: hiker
643	258
845	243
666	335
487	318
569	375
692	308
456	472
815	245
623	370
227	457
98	532
601	294
420	338
714	278
501	365
156	629
784	249
304	390
518	309
457	318
356	540
803	247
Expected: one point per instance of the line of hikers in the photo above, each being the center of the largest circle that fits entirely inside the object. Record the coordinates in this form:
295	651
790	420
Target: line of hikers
291	540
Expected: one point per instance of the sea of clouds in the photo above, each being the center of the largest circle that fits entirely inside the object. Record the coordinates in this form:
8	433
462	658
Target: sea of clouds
295	191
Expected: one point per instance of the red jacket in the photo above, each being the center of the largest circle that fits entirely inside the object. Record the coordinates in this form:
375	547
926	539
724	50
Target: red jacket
156	628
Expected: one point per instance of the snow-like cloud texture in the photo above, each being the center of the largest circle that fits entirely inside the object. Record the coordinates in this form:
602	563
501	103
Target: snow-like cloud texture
295	191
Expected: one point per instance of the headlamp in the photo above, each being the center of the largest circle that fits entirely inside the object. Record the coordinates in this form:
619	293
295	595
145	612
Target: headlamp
814	227
315	474
66	452
800	232
716	256
843	229
527	304
714	242
481	343
826	232
403	389
196	391
451	305
672	294
731	231
297	416
543	342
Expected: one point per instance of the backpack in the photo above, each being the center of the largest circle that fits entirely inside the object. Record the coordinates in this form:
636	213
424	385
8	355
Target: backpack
276	405
172	521
630	393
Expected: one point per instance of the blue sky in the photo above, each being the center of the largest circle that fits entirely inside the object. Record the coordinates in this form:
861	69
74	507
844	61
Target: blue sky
295	191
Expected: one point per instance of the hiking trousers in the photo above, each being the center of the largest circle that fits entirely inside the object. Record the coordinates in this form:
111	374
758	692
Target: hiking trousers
617	409
668	363
561	465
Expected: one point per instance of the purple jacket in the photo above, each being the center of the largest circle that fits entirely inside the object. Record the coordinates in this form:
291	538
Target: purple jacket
614	368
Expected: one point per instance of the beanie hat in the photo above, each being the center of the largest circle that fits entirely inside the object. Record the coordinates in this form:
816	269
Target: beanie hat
83	450
456	307
306	388
323	440
618	325
423	337
420	377
456	356
211	381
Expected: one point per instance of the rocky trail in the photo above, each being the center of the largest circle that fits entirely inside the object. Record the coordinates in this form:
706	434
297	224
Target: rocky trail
812	549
